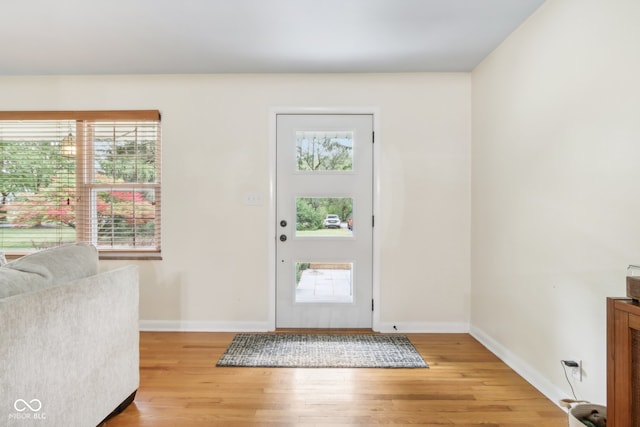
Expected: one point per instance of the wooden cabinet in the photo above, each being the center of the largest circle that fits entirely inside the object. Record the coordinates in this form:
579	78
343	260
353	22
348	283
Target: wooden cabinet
623	362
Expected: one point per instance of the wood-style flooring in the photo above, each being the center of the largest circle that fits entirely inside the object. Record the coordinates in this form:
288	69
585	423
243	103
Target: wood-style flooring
466	385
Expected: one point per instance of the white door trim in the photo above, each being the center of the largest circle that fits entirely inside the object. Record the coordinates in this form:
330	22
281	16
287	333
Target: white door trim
272	234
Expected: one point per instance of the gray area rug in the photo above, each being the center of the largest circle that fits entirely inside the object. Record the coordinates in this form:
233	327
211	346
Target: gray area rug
321	351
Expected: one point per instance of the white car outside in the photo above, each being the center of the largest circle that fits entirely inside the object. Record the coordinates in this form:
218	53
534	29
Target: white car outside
332	221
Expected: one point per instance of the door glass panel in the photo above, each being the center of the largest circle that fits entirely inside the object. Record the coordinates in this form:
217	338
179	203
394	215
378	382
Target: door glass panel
324	217
324	151
318	282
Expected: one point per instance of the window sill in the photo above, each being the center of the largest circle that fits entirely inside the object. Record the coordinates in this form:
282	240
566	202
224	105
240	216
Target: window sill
134	256
104	255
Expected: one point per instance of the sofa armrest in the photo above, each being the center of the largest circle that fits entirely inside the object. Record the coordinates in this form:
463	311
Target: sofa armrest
73	347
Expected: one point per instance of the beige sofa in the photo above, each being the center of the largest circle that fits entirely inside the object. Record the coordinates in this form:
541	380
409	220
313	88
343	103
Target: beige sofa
69	339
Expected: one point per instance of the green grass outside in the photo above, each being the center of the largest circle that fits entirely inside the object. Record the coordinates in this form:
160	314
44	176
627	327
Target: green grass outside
325	232
24	238
29	238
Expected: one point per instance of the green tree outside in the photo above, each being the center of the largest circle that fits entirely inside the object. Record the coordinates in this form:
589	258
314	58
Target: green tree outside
311	212
37	187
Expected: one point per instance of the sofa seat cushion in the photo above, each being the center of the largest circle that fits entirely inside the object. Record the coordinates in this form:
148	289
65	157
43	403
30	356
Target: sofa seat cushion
48	267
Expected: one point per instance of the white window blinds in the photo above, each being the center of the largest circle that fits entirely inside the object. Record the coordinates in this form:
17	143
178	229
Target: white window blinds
89	176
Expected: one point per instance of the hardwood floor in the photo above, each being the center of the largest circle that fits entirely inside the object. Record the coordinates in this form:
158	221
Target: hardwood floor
466	385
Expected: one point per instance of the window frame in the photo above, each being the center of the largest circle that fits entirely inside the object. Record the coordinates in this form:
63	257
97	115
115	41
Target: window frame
85	187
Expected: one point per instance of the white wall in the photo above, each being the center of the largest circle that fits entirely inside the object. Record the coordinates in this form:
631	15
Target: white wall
556	211
215	269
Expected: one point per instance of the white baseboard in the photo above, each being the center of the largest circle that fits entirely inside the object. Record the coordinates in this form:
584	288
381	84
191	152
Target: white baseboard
526	371
423	327
202	326
226	326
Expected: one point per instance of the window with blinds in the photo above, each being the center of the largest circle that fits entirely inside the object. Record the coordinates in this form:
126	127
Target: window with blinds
91	176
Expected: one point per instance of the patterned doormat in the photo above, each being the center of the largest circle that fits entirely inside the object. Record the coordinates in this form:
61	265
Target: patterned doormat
321	351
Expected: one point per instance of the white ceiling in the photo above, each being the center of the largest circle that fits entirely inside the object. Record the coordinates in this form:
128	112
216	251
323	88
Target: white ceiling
252	36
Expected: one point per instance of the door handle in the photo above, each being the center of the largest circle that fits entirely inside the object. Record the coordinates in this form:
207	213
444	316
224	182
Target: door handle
283	223
283	238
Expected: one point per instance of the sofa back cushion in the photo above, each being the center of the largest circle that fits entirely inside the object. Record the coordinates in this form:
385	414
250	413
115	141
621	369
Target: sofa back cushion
49	267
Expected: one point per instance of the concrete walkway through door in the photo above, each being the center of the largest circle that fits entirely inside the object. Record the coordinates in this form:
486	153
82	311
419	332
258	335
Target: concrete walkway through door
324	285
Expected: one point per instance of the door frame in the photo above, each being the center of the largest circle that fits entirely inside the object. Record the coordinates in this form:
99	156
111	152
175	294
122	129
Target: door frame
272	234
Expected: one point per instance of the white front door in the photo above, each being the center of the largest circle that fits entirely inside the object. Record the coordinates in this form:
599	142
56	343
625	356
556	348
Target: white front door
324	212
